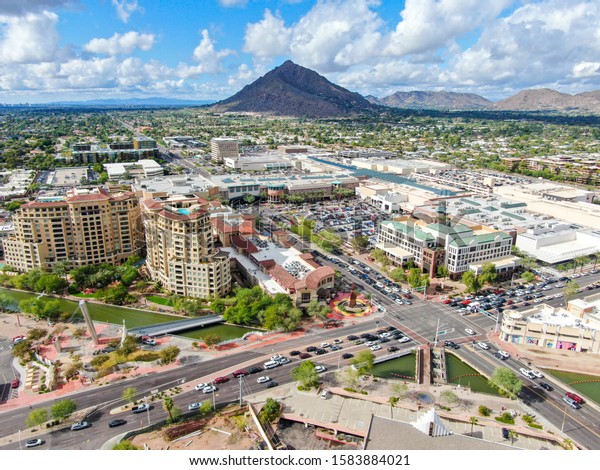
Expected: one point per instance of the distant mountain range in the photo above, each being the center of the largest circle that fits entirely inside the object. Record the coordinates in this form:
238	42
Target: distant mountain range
150	101
293	90
432	100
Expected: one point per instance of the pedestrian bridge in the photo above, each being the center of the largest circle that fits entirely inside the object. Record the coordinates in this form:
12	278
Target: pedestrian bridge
176	326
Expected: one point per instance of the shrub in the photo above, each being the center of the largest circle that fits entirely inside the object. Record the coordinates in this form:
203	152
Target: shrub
484	410
506	418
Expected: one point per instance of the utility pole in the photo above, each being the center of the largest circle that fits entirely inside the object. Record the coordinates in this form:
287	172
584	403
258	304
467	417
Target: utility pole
240	382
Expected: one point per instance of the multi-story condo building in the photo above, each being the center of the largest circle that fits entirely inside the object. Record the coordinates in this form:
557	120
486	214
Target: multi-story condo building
84	227
459	247
141	148
224	147
181	253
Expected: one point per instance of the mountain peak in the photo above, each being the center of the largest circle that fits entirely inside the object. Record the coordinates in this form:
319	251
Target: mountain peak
293	90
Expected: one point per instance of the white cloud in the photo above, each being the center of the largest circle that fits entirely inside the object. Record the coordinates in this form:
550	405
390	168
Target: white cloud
209	59
28	39
268	38
126	8
233	3
21	7
121	43
586	69
429	24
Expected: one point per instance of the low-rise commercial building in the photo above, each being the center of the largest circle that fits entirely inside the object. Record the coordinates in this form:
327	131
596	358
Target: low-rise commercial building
130	170
576	328
140	148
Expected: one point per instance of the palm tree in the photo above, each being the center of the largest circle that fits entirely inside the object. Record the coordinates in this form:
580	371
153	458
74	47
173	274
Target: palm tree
473	420
568	444
168	405
512	435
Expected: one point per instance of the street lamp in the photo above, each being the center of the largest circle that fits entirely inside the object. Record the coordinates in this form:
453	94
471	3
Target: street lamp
20	443
147	409
437	332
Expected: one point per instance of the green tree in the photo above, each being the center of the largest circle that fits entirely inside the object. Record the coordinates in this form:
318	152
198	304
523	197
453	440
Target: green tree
5	301
512	436
63	409
471	281
36	418
169	354
398	275
125	445
306	374
129	394
360	243
211	340
528	276
168	404
270	410
36	334
363	362
401	390
129	346
23	351
442	272
506	381
488	274
449	396
473	420
570	290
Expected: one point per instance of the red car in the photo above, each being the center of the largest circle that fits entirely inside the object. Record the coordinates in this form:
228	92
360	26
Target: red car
575	397
240	373
447	301
466	302
15	383
305	356
221	380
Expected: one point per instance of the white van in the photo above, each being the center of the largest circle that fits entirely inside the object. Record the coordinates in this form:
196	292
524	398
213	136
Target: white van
270	365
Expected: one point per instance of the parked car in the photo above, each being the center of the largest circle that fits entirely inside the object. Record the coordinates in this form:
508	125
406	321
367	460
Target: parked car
271	384
295	353
393	349
221	380
572	403
320	369
80	425
116	422
305	356
469	331
505	433
404	339
255	370
263	379
240	373
209	389
451	344
15	383
201	386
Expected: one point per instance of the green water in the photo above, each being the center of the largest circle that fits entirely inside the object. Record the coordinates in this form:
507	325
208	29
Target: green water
400	368
133	318
458	372
590	388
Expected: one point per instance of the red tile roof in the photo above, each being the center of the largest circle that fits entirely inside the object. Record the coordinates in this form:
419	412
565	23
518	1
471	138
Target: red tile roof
244	244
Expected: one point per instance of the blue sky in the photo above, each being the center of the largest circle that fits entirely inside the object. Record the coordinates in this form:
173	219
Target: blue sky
209	49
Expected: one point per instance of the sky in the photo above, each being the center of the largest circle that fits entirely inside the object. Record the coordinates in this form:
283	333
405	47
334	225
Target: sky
54	50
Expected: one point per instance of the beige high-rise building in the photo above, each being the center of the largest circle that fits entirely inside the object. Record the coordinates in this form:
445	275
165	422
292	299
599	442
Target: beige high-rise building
85	227
224	147
180	248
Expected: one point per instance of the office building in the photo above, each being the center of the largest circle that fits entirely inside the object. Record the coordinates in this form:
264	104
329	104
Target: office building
181	252
84	227
224	147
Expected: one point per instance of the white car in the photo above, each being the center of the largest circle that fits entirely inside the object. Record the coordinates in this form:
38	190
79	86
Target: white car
209	389
527	373
398	301
558	296
337	341
504	354
375	347
276	357
483	345
325	345
201	386
404	339
263	379
283	360
469	331
537	373
320	369
371	343
194	406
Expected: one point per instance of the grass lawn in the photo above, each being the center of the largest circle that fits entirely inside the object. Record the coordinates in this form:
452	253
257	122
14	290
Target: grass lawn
157	299
84	296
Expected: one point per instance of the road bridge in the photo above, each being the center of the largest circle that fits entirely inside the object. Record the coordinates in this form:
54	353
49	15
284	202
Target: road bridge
176	326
